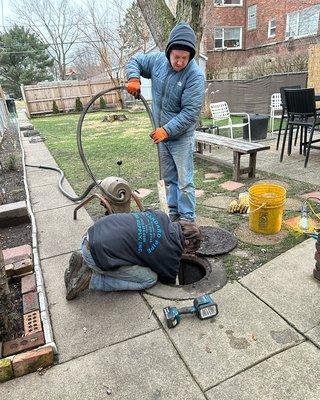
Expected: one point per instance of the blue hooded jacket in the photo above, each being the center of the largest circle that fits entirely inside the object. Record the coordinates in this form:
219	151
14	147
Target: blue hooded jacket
177	97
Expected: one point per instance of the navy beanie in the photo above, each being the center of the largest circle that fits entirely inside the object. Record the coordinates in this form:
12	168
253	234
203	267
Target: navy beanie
182	37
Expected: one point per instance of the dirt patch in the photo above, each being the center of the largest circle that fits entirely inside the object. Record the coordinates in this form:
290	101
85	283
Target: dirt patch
12	187
246	235
15	316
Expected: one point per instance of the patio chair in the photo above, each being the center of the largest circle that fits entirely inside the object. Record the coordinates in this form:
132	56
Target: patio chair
220	112
302	113
275	106
284	109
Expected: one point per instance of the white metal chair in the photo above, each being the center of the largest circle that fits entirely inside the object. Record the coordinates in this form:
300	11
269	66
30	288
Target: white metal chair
275	105
220	111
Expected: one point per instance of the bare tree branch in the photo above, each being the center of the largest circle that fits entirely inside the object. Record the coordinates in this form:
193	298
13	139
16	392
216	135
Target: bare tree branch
55	22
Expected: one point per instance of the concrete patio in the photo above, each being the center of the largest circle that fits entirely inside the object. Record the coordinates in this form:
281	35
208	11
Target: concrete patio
264	344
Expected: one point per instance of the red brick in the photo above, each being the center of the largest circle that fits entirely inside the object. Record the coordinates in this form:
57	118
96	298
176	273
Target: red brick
32	323
231	185
28	283
17	254
142	192
6	371
23	267
23	344
31	361
254	42
30	302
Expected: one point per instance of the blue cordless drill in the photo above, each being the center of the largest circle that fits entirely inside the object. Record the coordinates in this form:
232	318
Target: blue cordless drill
204	307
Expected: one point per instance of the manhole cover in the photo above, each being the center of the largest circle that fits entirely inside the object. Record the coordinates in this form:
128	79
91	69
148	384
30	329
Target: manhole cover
216	241
196	277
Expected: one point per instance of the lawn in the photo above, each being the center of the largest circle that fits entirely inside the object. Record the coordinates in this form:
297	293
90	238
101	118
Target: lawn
105	143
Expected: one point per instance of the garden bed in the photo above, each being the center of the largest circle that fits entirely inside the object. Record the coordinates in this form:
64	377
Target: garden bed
21	331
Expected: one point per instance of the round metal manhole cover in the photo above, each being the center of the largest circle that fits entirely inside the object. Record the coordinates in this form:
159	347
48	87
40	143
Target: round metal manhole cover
216	241
197	276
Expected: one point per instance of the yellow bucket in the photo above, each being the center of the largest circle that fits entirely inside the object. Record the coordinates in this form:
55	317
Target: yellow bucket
266	202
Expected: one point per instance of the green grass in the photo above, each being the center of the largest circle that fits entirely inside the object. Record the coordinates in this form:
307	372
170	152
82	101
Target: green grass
105	143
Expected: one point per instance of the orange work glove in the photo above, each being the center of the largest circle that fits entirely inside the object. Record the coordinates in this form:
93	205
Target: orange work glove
159	135
133	87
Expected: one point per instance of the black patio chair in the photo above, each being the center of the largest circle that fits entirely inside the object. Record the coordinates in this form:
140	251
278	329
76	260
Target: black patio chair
302	113
284	108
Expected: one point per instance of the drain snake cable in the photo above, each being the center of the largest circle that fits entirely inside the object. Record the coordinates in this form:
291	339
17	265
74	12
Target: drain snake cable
95	182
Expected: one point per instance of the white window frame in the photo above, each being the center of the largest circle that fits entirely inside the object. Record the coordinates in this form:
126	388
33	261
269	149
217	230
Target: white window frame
252	17
272	27
221	3
299	16
223	30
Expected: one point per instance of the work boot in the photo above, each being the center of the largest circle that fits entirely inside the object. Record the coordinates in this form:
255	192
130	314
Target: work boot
75	259
77	276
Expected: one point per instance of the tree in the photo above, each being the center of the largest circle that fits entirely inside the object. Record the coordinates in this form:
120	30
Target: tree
161	20
134	31
104	39
23	60
55	22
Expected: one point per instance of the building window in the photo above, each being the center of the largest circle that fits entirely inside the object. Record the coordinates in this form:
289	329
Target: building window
252	17
303	23
227	38
272	25
228	2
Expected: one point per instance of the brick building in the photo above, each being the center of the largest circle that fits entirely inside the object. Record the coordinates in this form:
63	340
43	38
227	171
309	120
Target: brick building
237	30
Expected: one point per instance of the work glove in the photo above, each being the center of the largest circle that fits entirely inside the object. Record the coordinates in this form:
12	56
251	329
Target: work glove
133	87
159	135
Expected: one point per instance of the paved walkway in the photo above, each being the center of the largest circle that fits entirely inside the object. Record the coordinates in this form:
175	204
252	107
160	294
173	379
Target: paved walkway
263	345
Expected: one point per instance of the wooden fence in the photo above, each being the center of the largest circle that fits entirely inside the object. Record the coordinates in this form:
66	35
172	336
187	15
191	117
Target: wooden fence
39	98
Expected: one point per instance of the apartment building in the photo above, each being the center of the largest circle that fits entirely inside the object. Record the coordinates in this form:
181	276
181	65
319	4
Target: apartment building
237	30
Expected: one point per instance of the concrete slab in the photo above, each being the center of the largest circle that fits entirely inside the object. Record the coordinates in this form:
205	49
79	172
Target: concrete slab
314	334
34	147
290	375
245	332
287	285
41	177
50	197
205	221
58	232
41	158
93	320
219	201
145	367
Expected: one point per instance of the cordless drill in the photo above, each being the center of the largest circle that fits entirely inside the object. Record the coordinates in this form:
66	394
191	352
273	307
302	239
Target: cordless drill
204	307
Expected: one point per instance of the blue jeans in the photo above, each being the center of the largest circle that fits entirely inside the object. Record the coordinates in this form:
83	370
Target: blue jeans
176	159
121	278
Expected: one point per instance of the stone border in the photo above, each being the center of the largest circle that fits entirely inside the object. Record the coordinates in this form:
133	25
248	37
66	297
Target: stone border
35	313
44	311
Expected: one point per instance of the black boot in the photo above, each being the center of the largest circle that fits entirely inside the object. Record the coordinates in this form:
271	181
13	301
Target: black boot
77	276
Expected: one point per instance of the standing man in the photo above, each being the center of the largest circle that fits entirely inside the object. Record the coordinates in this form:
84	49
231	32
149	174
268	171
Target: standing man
130	251
177	97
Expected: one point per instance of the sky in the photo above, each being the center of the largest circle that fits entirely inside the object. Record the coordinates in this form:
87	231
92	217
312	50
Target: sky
6	12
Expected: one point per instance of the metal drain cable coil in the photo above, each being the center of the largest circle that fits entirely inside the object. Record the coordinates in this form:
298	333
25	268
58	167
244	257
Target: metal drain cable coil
95	183
79	140
64	192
